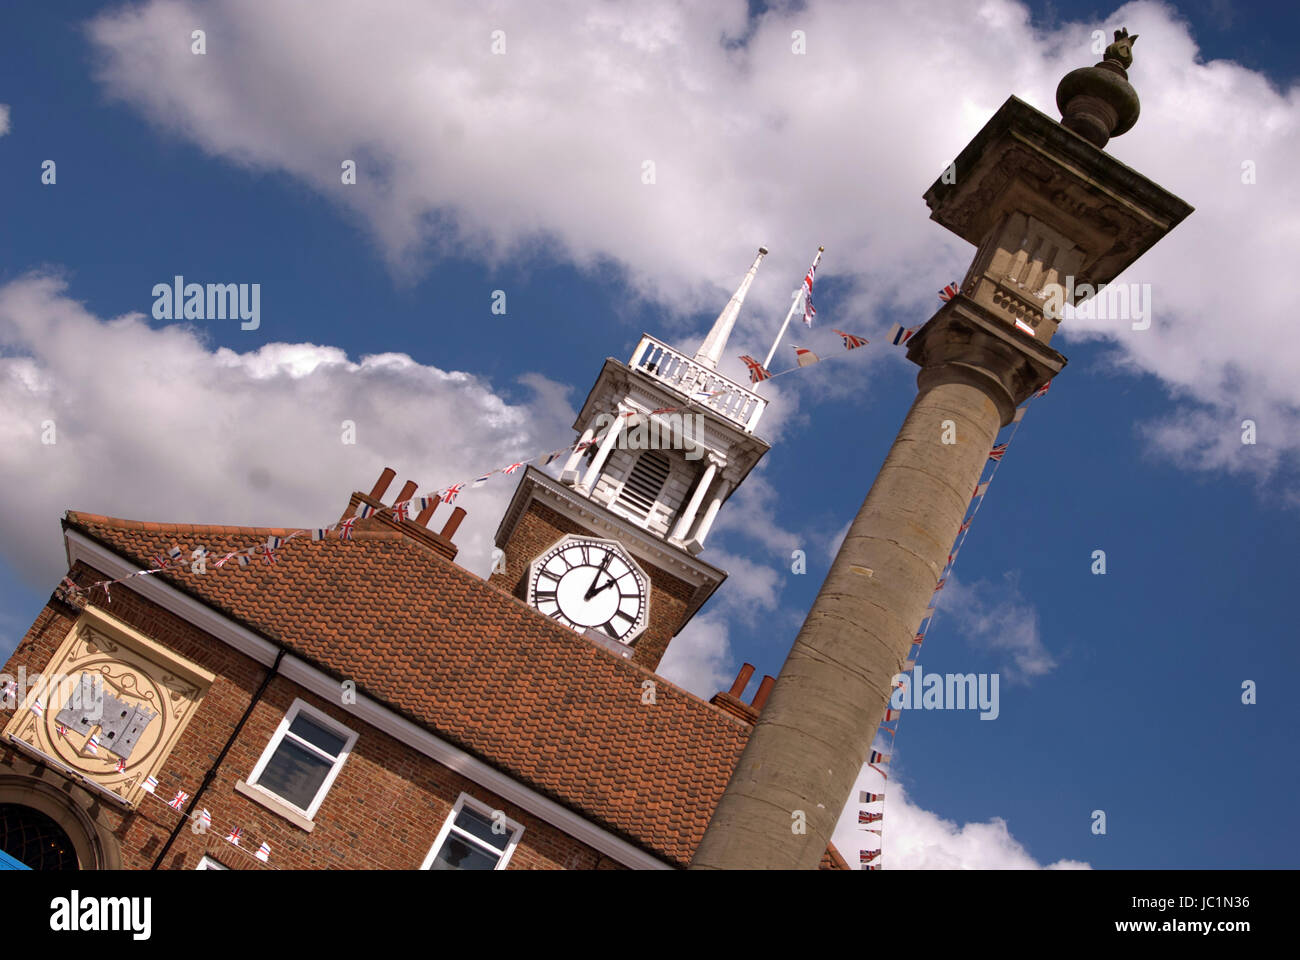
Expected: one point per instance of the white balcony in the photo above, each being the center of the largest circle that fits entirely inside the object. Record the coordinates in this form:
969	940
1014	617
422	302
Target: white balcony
736	403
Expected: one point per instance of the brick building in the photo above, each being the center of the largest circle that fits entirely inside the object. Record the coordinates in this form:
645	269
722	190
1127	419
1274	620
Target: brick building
368	703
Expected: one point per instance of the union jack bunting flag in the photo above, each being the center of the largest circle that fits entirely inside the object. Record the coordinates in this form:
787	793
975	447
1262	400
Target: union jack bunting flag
850	341
268	556
234	835
120	767
400	510
981	489
222	562
1041	391
512	468
757	372
159	561
63	731
866	856
865	797
149	785
345	528
865	817
808	312
264	852
965	525
178	801
453	491
365	510
948	292
997	452
899	334
939	586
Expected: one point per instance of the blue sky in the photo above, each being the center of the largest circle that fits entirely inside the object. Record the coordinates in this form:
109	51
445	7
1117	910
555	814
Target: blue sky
481	174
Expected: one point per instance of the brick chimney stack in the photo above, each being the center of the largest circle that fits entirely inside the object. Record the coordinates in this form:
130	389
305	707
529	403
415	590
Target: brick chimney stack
730	700
384	524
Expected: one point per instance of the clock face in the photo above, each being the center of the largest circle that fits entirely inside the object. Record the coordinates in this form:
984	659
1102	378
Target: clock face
590	584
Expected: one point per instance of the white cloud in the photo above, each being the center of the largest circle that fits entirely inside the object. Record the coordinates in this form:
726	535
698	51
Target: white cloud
152	425
699	658
916	839
4	119
998	618
543	147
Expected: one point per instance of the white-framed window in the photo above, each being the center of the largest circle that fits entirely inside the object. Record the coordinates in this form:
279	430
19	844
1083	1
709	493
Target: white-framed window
475	837
303	758
207	863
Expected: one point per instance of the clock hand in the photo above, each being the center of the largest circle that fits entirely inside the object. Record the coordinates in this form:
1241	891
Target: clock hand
591	590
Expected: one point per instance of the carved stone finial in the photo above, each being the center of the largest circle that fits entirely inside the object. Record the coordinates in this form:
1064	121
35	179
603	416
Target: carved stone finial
1098	102
1121	50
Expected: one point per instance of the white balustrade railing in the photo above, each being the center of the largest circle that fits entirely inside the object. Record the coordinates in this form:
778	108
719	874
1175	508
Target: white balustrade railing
737	403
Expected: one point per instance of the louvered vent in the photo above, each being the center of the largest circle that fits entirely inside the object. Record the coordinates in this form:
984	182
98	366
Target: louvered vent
644	483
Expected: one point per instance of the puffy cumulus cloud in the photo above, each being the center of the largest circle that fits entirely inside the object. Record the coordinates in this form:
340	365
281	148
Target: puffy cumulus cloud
997	617
916	839
751	143
699	658
168	430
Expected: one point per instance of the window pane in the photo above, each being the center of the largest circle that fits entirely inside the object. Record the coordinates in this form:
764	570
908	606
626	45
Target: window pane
317	735
295	773
459	854
475	824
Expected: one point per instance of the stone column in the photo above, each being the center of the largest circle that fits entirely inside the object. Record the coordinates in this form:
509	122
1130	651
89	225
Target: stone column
1038	201
688	515
602	454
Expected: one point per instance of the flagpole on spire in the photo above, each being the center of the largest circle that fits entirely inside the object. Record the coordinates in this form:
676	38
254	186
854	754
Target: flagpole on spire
800	296
711	349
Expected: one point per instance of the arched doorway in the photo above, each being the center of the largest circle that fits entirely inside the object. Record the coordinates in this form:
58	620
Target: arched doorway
34	839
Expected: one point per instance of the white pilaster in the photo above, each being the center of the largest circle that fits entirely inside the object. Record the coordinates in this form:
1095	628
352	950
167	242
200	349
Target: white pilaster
606	445
569	475
696	543
692	508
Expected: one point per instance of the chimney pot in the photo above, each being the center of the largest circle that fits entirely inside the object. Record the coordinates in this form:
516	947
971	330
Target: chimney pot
742	680
427	512
764	689
453	522
408	491
381	485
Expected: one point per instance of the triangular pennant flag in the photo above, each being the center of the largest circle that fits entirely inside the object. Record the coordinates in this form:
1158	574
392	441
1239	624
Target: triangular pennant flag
178	801
234	835
805	357
998	452
757	372
949	291
264	852
865	797
850	341
482	480
452	492
150	784
899	335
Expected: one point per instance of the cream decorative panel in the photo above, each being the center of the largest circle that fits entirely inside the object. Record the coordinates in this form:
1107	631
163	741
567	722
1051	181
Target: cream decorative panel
109	682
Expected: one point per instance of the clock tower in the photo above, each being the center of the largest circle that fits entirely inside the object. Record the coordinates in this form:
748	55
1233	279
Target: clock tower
612	547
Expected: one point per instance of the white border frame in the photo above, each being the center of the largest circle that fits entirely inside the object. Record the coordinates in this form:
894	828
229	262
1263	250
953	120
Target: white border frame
647	585
376	714
332	726
208	863
465	800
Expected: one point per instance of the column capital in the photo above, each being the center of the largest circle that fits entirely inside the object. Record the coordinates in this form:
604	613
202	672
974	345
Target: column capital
965	343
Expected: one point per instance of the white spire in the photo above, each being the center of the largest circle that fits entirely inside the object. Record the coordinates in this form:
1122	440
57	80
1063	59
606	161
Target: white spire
711	349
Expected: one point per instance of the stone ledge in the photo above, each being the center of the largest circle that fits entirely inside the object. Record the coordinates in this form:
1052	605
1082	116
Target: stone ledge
275	805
